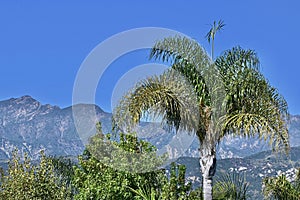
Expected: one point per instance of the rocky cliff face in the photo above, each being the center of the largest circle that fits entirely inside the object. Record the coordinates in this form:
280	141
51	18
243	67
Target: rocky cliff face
30	126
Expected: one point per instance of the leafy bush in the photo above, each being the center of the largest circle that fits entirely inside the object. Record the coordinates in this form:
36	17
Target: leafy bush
98	178
24	180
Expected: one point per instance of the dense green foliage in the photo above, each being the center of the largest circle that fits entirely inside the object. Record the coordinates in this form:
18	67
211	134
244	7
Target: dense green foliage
124	152
60	178
97	180
64	170
25	180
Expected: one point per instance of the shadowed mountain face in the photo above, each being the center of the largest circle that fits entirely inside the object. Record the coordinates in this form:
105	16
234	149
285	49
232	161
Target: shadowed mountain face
30	126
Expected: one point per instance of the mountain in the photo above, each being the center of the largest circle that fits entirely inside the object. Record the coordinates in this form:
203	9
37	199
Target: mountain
30	126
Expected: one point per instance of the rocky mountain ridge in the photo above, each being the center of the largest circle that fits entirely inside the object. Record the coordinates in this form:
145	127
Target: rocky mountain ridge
30	126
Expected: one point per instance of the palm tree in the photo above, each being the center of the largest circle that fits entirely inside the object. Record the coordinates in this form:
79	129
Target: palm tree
231	186
229	96
215	27
281	188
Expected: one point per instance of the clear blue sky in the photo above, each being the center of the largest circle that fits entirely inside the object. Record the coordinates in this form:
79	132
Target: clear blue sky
43	43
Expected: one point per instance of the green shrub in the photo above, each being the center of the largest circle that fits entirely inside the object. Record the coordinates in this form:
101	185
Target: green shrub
24	180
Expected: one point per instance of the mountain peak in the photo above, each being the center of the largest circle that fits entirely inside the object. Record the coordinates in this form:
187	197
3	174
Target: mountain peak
24	100
23	108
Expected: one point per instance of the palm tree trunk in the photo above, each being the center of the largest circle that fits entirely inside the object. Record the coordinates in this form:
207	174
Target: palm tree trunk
208	168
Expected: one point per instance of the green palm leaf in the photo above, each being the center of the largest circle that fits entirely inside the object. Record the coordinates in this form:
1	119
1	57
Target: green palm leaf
231	187
166	97
252	105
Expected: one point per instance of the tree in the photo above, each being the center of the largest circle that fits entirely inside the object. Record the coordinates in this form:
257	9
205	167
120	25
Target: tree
94	178
231	187
97	180
231	97
64	170
281	188
24	180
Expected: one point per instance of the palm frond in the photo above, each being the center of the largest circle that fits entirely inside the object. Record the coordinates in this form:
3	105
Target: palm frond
146	193
191	66
191	61
237	58
252	105
167	97
231	186
178	49
215	27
